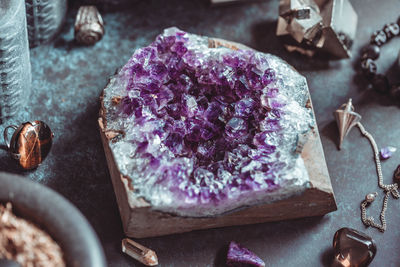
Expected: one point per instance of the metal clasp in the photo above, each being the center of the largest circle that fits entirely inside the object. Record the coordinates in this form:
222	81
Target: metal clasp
5	134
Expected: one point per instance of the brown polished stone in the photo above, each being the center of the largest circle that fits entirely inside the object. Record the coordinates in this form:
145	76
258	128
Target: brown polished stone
352	248
31	143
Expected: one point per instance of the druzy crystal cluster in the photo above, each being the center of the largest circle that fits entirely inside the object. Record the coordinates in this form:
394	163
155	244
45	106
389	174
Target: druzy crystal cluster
207	130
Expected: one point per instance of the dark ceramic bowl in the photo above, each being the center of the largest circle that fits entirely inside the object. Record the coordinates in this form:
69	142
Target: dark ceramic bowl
57	216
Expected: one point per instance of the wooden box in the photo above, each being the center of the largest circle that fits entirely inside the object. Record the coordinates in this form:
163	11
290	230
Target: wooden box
140	220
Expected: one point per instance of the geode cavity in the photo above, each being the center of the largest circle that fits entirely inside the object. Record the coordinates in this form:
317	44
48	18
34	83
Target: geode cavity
207	130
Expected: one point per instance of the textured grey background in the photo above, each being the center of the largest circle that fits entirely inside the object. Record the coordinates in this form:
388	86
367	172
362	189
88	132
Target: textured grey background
67	80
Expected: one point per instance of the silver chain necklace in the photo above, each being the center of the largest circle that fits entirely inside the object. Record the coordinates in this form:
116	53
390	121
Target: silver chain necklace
347	119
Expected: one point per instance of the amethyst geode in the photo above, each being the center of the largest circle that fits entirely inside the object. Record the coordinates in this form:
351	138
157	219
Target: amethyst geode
207	130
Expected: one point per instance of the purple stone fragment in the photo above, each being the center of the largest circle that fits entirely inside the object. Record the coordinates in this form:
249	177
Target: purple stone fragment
387	152
174	142
236	127
239	256
244	107
213	111
268	77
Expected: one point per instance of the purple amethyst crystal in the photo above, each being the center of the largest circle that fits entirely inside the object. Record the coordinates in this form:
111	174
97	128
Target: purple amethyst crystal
239	256
387	152
208	130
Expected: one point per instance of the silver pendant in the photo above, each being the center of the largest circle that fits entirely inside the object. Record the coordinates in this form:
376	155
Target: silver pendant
346	119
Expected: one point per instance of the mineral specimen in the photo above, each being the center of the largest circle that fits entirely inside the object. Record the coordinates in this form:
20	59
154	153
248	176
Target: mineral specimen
207	130
239	256
308	25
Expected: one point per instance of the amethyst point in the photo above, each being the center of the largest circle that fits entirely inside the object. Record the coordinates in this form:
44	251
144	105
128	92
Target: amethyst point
239	256
387	152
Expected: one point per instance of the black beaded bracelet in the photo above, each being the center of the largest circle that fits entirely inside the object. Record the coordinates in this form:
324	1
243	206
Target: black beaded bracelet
371	52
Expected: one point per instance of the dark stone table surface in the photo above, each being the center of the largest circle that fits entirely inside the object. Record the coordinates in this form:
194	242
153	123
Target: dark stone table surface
67	81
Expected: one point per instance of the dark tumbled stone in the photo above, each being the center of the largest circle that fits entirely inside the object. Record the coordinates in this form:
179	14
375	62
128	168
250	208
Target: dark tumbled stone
371	51
368	67
381	83
379	38
395	92
353	248
396	175
391	30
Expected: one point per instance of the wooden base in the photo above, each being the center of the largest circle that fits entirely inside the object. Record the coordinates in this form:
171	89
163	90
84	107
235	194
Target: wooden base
139	220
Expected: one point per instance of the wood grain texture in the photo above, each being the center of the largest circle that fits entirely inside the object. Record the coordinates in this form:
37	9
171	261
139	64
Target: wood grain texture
140	220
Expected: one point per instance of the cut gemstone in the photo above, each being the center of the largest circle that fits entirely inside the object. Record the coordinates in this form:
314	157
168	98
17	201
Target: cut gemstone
239	256
207	130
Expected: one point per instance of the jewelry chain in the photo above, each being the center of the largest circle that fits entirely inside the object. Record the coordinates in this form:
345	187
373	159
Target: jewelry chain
388	189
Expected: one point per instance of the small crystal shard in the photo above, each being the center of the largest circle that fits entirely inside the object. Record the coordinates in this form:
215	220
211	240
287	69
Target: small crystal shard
353	248
387	152
139	252
239	256
208	130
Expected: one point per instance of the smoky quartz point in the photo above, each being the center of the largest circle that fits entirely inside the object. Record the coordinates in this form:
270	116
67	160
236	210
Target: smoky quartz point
352	248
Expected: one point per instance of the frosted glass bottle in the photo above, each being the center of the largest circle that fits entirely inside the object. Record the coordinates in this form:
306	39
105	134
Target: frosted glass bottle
15	67
45	19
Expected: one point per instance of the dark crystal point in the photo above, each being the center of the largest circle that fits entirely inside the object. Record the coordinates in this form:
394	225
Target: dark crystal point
379	38
31	143
371	51
239	256
352	248
368	67
381	83
396	175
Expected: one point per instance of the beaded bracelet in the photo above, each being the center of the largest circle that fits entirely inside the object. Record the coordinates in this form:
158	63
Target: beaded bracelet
371	52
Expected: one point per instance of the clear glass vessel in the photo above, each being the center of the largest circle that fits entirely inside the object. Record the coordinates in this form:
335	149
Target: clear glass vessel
15	68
